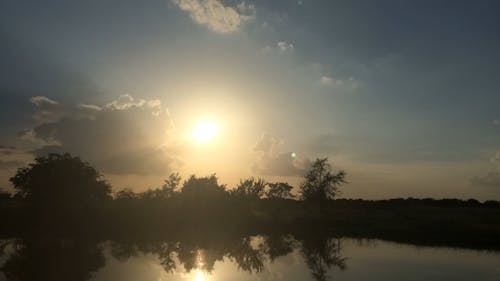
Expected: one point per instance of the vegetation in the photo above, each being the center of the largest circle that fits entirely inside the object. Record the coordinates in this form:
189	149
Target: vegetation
62	195
60	180
320	184
279	190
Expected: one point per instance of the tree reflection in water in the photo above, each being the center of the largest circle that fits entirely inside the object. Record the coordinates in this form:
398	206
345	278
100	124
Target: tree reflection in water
68	260
52	259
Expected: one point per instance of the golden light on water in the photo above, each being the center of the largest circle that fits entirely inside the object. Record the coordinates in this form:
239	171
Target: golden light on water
204	131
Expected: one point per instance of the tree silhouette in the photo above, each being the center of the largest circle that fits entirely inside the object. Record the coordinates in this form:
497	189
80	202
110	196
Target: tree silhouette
320	184
322	254
246	257
171	185
250	188
279	190
168	190
278	246
126	194
60	181
202	189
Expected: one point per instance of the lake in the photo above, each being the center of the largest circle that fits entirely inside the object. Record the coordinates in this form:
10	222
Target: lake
241	258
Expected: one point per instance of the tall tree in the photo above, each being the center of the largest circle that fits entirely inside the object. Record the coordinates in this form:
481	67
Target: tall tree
280	190
60	181
320	183
171	185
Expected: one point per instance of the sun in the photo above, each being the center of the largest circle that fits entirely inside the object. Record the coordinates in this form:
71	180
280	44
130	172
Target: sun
204	131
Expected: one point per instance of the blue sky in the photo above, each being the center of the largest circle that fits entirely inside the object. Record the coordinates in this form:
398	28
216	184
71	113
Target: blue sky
401	94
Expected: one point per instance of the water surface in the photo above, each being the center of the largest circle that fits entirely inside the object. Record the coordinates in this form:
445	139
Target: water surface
243	258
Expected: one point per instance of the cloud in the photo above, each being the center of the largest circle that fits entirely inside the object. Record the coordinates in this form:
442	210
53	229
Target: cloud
49	111
5	149
217	16
326	80
281	164
491	179
267	143
496	158
285	47
125	136
40	101
13	158
10	164
348	83
281	47
272	163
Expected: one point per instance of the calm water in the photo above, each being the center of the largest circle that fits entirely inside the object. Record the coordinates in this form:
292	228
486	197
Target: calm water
243	258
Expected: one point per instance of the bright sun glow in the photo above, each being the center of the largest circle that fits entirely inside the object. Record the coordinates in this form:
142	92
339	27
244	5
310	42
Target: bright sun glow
204	131
199	276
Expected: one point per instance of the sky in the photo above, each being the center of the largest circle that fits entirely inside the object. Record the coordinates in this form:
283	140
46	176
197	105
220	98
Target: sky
402	95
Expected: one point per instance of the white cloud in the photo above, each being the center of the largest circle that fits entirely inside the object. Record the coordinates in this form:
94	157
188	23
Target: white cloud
217	16
326	80
41	100
330	81
267	143
281	47
270	162
51	111
285	47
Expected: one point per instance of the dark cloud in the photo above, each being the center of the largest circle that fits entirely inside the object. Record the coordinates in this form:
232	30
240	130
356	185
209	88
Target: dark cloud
126	136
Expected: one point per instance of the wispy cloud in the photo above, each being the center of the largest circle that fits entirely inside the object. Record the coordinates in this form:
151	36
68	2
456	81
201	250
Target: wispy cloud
12	158
282	47
216	15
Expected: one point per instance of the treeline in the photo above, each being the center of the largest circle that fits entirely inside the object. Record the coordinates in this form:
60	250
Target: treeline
250	188
61	195
65	177
408	202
